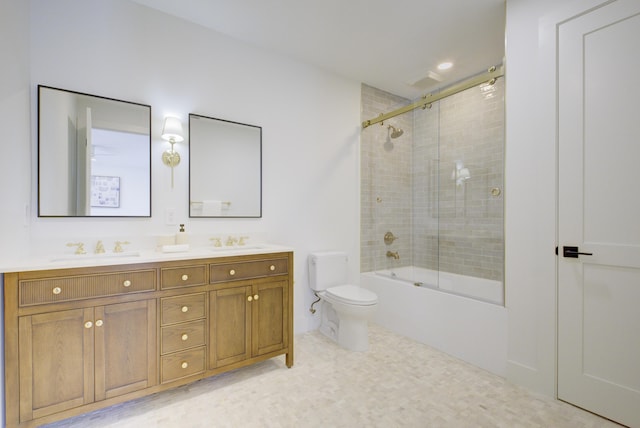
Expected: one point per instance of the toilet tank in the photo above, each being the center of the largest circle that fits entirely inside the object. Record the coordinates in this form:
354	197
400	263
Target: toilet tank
327	269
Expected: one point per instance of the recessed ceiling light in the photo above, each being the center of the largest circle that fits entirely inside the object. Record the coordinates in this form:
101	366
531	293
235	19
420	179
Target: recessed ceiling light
445	65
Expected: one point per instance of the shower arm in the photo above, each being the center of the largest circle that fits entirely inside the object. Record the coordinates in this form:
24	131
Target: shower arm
489	76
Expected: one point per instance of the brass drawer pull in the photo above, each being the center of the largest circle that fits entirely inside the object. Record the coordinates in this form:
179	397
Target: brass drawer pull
232	272
57	290
272	268
185	277
249	298
255	297
185	309
127	283
99	323
185	337
184	365
88	324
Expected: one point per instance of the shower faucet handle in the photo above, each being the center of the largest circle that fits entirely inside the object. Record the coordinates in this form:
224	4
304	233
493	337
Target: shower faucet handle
389	237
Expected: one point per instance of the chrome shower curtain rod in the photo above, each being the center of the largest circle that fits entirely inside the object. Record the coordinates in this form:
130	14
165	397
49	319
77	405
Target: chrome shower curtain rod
489	77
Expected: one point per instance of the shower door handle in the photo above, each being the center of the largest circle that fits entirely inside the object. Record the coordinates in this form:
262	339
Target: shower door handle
572	252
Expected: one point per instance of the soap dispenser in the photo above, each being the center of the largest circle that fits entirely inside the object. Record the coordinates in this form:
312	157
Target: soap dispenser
181	236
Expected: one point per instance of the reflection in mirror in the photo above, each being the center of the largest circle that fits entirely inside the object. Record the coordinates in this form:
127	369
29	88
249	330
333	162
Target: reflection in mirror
225	168
94	156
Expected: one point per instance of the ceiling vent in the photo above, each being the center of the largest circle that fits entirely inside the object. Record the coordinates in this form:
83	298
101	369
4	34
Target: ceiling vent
431	79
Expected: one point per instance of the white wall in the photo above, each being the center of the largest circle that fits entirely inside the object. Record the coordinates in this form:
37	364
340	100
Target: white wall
14	120
119	49
529	206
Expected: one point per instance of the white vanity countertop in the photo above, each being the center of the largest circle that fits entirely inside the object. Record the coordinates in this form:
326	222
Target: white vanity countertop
66	261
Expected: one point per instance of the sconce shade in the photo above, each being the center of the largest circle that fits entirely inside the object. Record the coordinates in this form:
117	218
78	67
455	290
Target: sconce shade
172	129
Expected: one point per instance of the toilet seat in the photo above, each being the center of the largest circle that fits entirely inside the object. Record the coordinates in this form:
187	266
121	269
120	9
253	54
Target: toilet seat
352	295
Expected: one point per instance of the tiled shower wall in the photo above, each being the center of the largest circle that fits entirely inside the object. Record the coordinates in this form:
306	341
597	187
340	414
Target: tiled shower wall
386	183
408	189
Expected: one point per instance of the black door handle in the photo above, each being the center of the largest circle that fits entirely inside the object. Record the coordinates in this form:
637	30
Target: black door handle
573	252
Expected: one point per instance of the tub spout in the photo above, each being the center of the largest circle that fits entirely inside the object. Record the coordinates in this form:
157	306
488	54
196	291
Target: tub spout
393	254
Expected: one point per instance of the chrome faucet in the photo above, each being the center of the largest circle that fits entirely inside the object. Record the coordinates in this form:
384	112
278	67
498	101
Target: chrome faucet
393	254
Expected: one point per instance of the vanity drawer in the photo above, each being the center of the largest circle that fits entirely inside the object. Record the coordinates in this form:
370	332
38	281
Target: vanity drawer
66	288
182	364
182	308
183	276
182	336
246	270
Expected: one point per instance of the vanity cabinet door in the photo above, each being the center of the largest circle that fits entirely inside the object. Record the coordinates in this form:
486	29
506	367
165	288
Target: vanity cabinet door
230	326
125	343
269	317
248	321
56	362
75	357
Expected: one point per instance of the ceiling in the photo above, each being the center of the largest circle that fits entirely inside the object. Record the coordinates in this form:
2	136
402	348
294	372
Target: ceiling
393	45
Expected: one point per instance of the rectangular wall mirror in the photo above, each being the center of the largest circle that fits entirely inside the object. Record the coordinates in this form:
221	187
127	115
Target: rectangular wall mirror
225	168
94	156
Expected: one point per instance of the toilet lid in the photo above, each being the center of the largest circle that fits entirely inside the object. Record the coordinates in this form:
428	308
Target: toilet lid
353	294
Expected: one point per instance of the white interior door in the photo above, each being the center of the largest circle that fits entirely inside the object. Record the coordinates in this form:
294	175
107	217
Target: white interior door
599	211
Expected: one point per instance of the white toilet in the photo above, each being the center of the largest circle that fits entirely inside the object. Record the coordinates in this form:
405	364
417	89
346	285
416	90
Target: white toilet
346	308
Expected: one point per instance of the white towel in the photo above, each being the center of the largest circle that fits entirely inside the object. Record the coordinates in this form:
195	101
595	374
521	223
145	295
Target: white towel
211	208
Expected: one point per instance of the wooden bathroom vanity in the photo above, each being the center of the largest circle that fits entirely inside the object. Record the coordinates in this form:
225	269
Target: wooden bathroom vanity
83	338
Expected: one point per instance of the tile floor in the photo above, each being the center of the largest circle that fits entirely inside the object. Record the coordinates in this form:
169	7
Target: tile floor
397	383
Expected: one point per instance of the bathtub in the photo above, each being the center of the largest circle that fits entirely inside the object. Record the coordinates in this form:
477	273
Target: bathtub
478	288
471	329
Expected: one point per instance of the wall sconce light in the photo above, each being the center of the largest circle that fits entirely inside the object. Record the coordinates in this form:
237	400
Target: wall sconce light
172	132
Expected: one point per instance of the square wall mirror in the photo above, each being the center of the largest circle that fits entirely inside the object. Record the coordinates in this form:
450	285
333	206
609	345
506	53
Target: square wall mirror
94	156
225	168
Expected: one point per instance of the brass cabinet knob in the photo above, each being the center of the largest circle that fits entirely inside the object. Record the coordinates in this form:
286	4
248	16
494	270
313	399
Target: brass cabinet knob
57	290
185	309
255	297
185	277
99	323
272	268
249	298
185	336
184	365
232	272
127	283
88	324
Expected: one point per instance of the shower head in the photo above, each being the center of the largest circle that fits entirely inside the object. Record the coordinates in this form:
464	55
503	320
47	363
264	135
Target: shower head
395	132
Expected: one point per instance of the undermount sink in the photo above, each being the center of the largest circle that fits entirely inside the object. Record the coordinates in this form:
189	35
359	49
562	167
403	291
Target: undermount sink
93	257
239	248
